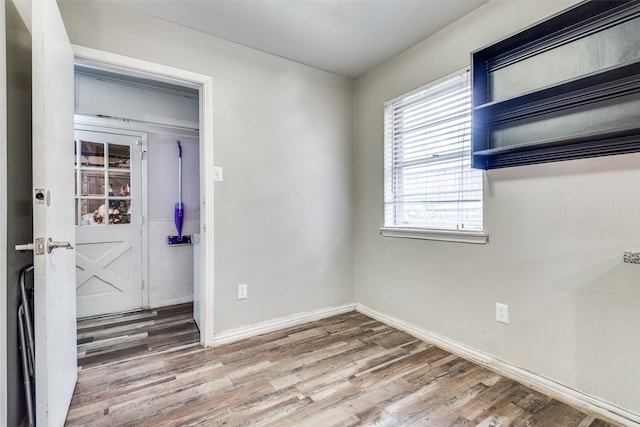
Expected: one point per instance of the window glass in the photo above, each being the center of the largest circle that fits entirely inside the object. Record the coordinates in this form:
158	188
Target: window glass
103	183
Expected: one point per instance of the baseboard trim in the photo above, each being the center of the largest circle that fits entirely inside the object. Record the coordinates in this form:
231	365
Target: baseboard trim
237	334
584	401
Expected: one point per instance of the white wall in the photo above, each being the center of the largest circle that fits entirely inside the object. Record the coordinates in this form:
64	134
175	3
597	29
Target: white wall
171	267
284	134
162	164
557	236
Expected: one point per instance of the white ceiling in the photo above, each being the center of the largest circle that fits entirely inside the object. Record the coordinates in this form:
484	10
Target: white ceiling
346	37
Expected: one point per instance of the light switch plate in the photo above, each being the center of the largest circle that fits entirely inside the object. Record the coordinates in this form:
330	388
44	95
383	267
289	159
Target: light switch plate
242	291
502	313
217	174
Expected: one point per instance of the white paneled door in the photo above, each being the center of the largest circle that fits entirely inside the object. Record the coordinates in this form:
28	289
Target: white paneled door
108	216
53	226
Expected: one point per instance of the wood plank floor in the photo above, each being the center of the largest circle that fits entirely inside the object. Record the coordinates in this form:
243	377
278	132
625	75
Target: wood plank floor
112	338
345	370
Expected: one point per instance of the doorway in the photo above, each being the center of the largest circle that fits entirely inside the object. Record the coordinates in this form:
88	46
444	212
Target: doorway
125	217
145	70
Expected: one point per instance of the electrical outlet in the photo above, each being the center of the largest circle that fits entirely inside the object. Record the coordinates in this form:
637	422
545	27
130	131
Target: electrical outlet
242	291
502	313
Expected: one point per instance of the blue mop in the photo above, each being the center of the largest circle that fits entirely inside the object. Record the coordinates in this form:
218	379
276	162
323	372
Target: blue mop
178	212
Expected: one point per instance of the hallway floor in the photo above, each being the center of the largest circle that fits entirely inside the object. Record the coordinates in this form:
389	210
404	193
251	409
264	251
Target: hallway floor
113	338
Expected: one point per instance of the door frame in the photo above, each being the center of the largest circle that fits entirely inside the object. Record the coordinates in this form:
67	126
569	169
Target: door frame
3	220
163	73
93	124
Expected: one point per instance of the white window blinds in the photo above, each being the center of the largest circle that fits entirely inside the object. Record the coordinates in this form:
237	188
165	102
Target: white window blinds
429	182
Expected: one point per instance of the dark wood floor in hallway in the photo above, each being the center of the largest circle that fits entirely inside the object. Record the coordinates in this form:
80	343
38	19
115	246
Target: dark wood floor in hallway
117	337
345	370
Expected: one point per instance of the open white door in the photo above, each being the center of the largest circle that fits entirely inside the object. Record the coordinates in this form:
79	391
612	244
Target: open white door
53	214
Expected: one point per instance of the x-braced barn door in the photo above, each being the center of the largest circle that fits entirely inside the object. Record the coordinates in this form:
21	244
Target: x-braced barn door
109	192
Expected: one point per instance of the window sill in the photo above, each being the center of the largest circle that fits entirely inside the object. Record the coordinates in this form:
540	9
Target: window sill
478	238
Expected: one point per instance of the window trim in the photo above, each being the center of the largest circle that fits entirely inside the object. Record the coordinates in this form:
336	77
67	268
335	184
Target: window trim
473	237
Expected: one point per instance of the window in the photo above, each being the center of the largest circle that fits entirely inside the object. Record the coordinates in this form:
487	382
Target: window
103	179
430	190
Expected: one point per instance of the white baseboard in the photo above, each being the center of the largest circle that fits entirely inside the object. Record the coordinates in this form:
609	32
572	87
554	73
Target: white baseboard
237	334
584	401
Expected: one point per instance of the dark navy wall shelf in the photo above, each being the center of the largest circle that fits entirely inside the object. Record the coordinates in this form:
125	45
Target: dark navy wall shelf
566	88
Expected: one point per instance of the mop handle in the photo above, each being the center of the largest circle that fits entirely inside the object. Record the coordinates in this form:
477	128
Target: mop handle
179	173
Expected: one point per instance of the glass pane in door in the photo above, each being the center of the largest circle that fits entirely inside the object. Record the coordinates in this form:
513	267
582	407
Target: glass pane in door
92	211
91	154
119	184
119	156
91	183
119	211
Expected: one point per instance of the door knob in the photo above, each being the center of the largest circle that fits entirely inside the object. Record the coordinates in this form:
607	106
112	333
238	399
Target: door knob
51	245
37	247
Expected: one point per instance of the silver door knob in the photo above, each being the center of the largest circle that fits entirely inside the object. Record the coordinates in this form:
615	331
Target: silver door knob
37	246
51	245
